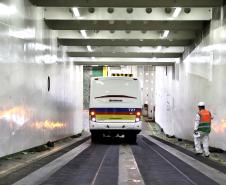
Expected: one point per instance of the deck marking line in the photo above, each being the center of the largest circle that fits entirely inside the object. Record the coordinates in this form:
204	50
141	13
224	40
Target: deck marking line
101	164
129	172
171	164
206	170
42	174
41	156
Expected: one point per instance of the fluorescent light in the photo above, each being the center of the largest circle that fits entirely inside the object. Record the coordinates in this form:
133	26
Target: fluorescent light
83	32
158	48
165	34
176	12
41	47
47	59
89	48
22	34
75	12
93	58
7	10
219	47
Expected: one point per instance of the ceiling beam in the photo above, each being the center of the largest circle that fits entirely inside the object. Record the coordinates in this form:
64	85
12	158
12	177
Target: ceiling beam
124	25
118	63
121	42
173	35
127	3
65	13
124	55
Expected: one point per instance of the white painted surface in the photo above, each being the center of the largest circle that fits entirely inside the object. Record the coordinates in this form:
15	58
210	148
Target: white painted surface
29	114
103	90
201	77
129	172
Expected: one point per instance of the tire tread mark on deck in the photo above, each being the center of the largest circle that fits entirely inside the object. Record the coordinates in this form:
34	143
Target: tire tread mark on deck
82	169
21	173
208	162
98	170
155	171
171	164
108	171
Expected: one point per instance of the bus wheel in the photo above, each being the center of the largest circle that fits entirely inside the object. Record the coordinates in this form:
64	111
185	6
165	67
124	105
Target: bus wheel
95	137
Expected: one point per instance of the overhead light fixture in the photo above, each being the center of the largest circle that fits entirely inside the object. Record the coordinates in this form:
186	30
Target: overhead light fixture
75	12
22	34
89	48
110	10
187	10
83	32
91	10
168	10
93	58
7	10
129	10
177	12
165	34
158	48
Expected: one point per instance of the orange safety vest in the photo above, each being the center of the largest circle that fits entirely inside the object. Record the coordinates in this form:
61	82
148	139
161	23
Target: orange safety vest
205	121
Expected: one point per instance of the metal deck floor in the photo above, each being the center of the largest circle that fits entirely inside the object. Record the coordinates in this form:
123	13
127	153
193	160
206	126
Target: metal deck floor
99	165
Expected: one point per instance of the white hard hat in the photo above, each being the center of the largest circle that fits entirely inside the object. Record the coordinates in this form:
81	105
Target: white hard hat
201	104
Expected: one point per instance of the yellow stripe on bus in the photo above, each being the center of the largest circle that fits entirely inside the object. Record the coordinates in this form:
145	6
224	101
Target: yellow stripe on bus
115	117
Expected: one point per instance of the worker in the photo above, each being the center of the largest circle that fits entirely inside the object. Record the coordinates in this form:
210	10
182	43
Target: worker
202	130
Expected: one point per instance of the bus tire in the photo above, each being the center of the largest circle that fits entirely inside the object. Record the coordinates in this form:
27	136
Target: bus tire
131	138
95	137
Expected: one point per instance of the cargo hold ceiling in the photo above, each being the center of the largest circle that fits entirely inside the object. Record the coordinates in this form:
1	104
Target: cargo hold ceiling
127	32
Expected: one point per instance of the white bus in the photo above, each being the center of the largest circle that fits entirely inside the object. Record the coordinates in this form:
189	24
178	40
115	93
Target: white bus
115	107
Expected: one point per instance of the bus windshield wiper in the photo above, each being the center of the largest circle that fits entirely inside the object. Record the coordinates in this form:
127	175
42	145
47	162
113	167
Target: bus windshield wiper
116	96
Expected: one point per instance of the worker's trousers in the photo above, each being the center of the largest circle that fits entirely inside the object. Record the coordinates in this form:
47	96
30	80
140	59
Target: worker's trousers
204	139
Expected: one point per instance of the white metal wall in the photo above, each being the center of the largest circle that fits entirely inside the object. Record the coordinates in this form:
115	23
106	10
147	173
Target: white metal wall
202	77
31	115
146	75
